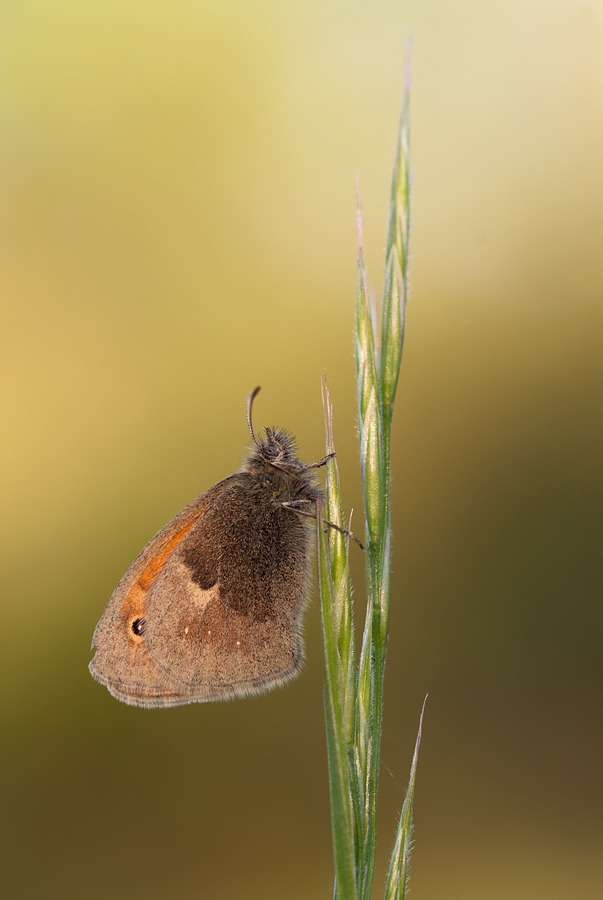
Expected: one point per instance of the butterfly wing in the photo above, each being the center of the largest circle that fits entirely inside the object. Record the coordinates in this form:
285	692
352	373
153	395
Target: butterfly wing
211	609
224	617
122	661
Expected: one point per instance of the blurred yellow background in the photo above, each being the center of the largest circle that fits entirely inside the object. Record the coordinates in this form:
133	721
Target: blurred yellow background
178	225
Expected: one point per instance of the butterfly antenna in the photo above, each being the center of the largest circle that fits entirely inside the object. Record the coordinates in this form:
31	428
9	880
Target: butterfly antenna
250	400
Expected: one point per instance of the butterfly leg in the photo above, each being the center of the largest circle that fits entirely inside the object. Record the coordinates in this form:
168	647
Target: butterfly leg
321	462
307	508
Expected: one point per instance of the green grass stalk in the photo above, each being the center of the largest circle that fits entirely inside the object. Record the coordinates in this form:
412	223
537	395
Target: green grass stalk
354	696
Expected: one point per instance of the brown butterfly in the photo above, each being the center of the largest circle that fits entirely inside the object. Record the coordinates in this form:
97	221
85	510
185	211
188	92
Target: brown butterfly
211	609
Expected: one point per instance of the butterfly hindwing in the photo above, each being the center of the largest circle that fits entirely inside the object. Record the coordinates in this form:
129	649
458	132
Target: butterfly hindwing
222	615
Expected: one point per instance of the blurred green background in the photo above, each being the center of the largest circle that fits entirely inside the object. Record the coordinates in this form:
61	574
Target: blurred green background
178	225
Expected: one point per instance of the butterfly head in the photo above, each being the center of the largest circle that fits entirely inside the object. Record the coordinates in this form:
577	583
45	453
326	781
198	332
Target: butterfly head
274	459
277	450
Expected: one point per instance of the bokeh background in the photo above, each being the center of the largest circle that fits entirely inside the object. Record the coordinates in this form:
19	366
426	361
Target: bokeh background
177	226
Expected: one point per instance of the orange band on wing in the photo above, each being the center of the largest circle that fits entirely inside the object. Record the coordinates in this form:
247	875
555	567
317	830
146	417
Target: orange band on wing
133	602
156	564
